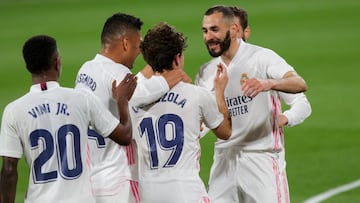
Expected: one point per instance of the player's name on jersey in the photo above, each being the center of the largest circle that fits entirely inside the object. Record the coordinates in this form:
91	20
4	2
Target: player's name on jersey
42	109
237	105
173	98
86	80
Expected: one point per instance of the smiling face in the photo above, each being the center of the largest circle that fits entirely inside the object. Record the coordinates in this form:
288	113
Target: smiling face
216	34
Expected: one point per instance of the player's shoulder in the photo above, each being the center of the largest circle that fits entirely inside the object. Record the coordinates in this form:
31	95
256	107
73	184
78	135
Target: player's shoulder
19	104
209	65
79	95
15	104
83	93
192	90
261	51
206	70
101	64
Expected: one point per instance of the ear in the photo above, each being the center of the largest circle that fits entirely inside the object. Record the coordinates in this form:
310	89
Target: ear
234	28
176	61
57	63
125	42
247	33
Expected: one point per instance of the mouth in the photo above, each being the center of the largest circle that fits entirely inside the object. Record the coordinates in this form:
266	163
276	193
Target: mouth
212	45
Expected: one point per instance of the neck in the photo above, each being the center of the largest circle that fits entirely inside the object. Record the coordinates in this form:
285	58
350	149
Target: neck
36	79
230	53
111	55
113	51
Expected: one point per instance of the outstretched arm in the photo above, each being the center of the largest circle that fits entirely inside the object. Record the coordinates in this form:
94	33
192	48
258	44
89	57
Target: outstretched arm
8	179
147	71
152	86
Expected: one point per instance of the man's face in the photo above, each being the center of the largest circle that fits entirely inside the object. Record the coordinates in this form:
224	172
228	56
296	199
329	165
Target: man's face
216	34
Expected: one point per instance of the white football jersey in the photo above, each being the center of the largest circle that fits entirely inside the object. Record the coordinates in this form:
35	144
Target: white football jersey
254	120
111	163
167	133
49	126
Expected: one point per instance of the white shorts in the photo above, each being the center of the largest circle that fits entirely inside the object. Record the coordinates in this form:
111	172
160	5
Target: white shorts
248	177
127	194
173	191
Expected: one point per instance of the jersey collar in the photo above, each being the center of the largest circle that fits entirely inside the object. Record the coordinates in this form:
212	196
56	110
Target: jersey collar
44	86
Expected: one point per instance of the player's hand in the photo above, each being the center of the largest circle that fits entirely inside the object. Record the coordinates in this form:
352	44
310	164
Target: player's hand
221	78
253	86
125	89
185	77
282	120
147	71
174	76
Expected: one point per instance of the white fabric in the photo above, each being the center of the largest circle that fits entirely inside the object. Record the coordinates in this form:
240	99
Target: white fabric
300	108
49	124
252	184
256	139
167	136
252	118
112	164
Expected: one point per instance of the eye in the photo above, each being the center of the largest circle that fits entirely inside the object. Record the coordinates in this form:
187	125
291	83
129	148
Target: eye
215	29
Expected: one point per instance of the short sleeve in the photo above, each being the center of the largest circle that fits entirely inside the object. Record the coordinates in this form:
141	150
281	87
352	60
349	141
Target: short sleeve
212	117
101	119
10	141
277	67
149	90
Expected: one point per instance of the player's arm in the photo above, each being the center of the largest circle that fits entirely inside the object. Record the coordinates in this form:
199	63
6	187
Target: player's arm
223	131
8	179
152	88
300	109
174	76
171	77
291	82
147	71
122	93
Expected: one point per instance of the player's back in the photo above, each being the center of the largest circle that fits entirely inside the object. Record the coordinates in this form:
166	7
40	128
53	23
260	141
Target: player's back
109	161
52	126
167	132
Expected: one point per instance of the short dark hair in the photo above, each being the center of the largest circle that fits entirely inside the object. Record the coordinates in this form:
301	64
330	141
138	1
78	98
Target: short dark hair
160	46
38	53
242	15
117	25
225	10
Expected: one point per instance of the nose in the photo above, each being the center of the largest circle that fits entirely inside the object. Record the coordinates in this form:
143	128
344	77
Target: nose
207	36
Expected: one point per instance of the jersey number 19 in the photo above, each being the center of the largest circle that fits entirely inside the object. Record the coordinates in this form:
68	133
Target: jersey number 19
156	134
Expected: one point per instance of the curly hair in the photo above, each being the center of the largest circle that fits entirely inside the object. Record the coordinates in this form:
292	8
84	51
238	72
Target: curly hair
160	46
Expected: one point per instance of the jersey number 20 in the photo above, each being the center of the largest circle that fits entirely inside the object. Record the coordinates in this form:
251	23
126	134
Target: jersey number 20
58	148
156	134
